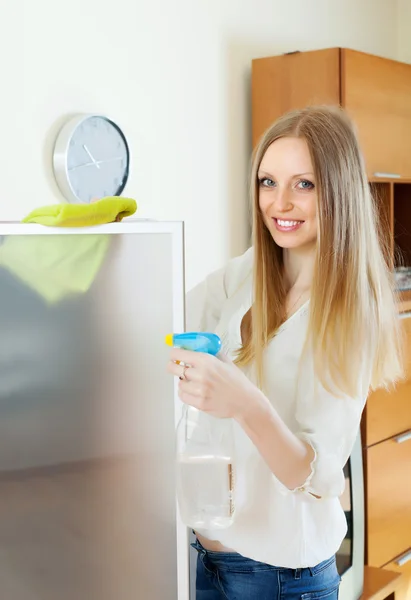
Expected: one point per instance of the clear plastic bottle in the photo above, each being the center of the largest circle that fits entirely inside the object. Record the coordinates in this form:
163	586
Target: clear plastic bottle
205	470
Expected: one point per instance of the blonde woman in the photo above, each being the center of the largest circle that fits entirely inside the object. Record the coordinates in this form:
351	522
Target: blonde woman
308	322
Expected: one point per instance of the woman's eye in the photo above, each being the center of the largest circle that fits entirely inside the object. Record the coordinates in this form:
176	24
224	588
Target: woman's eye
304	184
266	182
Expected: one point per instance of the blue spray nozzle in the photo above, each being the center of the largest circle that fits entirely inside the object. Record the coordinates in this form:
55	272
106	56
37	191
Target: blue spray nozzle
209	343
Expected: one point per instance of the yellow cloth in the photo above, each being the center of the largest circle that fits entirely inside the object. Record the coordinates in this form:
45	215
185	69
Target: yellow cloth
106	210
55	266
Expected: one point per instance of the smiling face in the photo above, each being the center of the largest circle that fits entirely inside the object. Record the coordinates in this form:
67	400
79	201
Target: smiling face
287	193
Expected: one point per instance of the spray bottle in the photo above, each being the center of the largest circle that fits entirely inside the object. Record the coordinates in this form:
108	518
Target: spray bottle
205	454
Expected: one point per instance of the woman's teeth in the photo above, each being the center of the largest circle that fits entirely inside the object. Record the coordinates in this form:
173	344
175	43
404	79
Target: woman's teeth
288	223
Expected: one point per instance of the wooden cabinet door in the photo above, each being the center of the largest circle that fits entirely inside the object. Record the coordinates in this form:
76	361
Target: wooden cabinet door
377	94
388	500
292	81
389	413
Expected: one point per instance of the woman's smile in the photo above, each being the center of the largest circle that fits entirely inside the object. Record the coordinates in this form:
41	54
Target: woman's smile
287	225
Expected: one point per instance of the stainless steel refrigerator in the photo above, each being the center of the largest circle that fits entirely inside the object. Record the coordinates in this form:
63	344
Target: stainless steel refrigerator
88	413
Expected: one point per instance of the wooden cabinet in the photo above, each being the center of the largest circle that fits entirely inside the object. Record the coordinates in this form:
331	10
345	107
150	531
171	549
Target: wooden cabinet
382	423
375	91
386	431
402	564
381	584
387	453
389	414
389	499
283	83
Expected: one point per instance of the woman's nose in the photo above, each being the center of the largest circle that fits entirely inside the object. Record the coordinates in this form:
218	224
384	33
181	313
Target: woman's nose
283	199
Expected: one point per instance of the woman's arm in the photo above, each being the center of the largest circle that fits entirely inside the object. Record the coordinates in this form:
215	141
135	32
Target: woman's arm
312	458
218	387
288	457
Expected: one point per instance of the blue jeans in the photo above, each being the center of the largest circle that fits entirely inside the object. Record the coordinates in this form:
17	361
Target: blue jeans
230	576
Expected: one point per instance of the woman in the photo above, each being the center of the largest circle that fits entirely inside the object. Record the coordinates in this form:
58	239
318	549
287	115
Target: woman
308	322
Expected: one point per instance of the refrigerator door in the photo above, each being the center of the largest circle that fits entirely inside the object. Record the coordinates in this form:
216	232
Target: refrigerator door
88	413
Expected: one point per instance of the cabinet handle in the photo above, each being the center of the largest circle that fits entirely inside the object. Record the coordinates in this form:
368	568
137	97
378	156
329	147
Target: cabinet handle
405	315
388	175
403	559
403	437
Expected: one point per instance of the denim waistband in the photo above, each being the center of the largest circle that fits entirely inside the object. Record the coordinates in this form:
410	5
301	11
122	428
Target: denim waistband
232	560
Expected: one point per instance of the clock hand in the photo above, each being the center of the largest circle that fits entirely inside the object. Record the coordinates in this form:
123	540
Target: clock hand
91	156
96	163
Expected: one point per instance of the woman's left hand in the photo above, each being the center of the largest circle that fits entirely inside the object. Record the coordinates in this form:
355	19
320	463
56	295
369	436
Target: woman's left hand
214	385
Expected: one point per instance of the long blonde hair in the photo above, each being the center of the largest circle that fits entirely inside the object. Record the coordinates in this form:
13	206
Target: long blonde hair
353	315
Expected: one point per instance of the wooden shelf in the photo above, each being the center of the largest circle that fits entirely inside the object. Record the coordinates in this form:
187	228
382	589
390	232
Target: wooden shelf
389	180
379	584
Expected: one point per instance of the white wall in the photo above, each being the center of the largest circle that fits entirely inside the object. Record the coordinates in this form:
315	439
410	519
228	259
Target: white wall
175	76
404	23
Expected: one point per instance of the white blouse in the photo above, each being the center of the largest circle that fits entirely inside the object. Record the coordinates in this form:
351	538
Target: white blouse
275	525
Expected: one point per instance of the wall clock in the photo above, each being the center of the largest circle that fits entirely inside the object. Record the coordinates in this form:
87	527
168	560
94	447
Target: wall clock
91	159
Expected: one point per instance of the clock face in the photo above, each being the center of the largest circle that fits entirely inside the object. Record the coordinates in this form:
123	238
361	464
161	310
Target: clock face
96	160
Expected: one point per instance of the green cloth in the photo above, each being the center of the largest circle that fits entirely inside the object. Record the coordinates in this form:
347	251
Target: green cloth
106	210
